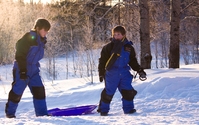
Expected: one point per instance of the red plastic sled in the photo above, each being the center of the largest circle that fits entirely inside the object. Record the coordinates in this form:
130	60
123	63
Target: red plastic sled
80	110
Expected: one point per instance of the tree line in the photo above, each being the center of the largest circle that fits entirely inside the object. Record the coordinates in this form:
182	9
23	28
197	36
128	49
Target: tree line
165	29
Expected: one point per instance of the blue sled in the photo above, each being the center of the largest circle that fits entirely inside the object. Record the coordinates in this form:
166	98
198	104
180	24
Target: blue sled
80	110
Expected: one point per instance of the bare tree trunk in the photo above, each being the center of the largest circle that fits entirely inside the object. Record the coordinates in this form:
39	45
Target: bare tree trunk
197	42
54	69
49	65
156	54
119	13
66	66
145	35
91	64
174	50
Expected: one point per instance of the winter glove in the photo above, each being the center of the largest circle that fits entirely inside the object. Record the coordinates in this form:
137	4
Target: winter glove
101	78
101	75
23	75
142	74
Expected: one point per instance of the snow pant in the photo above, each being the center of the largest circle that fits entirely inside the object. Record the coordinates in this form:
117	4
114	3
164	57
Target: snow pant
37	89
122	80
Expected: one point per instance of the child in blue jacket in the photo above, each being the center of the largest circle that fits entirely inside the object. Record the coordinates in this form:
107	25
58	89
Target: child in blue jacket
29	50
117	57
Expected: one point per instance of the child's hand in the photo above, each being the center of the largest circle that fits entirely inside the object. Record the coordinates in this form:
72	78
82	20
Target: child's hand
101	78
101	75
142	74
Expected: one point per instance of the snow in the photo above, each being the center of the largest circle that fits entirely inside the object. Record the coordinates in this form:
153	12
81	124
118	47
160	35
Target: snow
168	96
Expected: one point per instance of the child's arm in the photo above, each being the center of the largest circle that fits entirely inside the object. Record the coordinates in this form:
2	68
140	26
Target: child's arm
133	60
104	56
22	48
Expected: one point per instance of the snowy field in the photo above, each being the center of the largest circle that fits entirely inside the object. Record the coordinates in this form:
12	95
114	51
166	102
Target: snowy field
167	97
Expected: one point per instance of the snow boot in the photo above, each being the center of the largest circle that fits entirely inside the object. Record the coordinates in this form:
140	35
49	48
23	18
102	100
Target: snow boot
131	111
103	113
10	116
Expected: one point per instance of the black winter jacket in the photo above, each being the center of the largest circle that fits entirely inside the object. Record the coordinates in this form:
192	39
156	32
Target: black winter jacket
106	53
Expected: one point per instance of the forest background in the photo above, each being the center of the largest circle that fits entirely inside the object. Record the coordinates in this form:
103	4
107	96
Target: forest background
80	28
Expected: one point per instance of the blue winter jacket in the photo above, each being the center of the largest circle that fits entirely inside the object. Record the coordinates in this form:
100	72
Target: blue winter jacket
29	50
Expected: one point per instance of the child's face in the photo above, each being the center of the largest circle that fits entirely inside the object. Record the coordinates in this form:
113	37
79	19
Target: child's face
118	36
43	32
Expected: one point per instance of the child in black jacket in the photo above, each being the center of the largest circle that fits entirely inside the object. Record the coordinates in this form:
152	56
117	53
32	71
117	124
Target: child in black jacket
117	57
29	50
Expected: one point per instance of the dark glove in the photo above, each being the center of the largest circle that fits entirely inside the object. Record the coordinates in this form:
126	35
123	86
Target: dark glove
23	75
142	74
101	78
101	75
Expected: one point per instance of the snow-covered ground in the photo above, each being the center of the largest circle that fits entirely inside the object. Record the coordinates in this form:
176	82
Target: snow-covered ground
168	96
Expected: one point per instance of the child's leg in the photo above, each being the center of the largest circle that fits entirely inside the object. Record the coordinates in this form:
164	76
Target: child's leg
127	100
127	92
39	98
15	94
111	84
